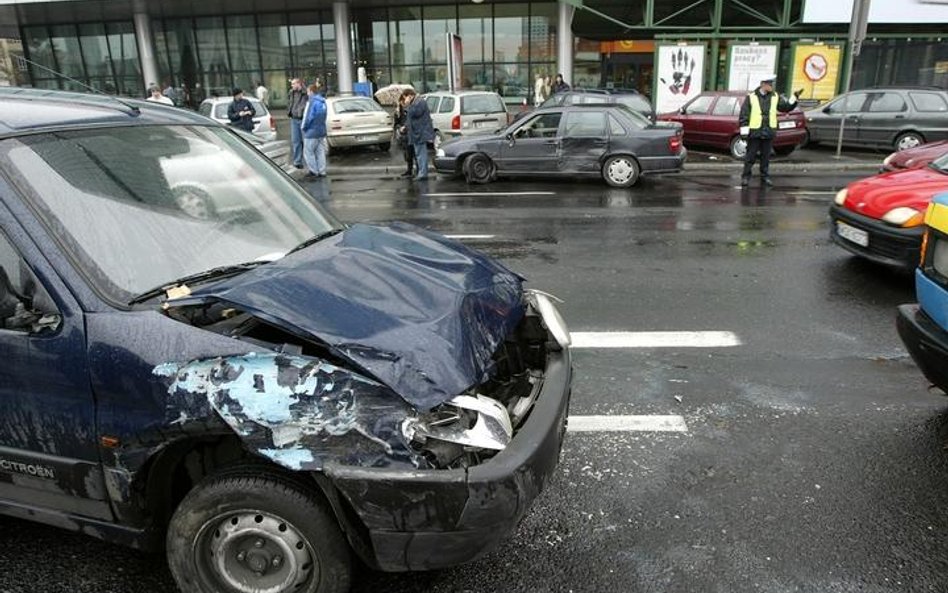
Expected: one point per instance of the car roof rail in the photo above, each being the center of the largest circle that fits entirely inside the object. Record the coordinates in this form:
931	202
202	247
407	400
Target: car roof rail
109	99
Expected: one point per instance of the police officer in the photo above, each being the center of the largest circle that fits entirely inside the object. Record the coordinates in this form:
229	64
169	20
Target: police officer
759	126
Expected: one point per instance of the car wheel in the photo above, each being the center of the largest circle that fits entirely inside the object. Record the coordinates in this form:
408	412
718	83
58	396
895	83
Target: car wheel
621	171
479	168
785	150
255	531
193	201
738	147
908	140
385	146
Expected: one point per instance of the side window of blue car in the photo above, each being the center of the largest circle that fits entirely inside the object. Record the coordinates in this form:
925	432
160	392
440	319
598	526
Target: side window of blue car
25	306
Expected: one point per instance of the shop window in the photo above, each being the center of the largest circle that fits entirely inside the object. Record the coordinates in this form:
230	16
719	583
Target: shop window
476	28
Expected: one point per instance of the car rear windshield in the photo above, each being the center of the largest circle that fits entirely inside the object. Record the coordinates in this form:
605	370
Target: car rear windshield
355	106
473	104
220	110
141	206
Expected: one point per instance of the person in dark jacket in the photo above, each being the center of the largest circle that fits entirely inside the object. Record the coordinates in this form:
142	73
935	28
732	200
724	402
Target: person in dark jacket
758	121
314	132
295	105
560	86
401	137
420	129
240	112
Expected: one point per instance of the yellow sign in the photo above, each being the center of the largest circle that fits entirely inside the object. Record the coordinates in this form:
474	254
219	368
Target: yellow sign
816	69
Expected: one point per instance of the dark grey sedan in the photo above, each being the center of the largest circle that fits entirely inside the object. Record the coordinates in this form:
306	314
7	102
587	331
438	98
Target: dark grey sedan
607	141
899	118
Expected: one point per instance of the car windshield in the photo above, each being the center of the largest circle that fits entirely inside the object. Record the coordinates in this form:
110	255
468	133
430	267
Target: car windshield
141	206
941	164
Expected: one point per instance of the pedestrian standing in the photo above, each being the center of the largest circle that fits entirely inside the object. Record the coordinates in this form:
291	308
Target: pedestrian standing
171	93
314	132
420	129
240	112
263	94
296	104
401	139
758	122
559	85
539	90
157	97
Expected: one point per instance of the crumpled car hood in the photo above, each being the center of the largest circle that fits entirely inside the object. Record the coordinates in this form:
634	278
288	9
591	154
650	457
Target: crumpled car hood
420	313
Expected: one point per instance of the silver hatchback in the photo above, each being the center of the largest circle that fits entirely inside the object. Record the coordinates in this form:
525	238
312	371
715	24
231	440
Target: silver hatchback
465	112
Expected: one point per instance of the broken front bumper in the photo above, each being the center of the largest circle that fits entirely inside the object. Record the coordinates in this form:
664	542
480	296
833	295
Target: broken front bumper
401	520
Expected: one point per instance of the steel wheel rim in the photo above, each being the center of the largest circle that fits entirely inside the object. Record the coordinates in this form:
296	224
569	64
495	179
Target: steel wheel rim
480	169
250	551
621	170
740	148
910	141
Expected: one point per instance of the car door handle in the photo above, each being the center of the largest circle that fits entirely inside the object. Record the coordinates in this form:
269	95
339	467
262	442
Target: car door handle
899	117
600	142
552	142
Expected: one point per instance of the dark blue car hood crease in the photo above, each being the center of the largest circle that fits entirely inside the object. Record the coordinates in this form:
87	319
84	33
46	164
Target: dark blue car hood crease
421	313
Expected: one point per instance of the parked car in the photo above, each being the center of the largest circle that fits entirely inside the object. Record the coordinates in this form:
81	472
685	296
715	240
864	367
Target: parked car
913	158
880	218
630	98
887	118
923	327
607	141
464	112
264	125
357	121
258	391
712	119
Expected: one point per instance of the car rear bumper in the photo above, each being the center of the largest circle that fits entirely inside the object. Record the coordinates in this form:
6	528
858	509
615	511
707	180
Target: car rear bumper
430	519
664	164
792	137
360	138
926	342
888	245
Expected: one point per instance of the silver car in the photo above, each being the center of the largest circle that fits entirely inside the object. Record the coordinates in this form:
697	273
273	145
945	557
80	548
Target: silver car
357	121
463	112
899	118
264	126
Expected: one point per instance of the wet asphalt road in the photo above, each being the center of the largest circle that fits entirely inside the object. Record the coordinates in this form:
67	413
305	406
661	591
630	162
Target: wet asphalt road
815	459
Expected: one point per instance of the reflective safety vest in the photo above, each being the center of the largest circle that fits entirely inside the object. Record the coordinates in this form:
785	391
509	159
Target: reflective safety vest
756	116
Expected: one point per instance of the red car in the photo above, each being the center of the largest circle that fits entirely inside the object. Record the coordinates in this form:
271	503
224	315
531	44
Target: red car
880	218
711	119
912	158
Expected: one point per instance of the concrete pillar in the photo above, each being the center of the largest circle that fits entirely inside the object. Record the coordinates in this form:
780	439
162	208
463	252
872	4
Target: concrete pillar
146	45
564	53
340	20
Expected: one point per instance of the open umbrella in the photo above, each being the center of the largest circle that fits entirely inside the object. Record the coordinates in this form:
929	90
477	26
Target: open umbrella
389	95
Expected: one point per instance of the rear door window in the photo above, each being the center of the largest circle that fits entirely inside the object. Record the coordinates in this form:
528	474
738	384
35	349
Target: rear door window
887	103
473	104
447	105
727	106
929	102
615	128
585	124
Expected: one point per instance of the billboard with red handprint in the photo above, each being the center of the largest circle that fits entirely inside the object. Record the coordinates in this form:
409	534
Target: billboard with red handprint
680	74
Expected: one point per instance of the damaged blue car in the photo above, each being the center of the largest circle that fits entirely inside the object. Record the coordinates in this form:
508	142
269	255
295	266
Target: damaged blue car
198	358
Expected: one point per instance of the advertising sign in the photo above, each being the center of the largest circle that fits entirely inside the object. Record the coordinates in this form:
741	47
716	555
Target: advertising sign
880	11
455	62
816	70
680	74
749	63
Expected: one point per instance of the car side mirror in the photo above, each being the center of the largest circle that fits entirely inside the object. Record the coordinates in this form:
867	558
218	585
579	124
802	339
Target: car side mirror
510	138
682	111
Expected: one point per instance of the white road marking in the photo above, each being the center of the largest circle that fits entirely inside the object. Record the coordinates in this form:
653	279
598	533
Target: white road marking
626	424
470	237
490	193
686	339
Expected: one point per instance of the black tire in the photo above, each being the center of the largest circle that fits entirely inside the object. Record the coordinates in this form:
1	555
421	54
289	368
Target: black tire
785	150
232	525
385	146
808	141
621	171
738	147
907	140
479	168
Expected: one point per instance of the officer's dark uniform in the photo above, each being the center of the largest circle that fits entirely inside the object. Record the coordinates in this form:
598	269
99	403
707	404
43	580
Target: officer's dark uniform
759	125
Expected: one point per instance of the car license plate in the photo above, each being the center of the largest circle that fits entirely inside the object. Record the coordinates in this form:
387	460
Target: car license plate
786	125
857	236
365	138
482	124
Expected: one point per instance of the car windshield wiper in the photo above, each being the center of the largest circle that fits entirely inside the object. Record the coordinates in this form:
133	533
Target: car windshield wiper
315	239
213	273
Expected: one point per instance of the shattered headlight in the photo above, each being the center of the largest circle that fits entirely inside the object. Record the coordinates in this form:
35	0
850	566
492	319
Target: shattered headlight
470	421
554	322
